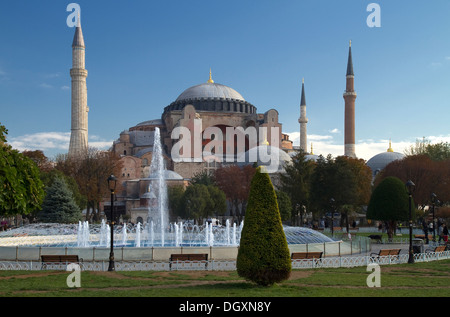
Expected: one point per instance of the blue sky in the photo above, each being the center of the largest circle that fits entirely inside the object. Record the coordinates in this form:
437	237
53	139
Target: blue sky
141	55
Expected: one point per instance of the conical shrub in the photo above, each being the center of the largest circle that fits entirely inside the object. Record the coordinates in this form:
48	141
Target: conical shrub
263	255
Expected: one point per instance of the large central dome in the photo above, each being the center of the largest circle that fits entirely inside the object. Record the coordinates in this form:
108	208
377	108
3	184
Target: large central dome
211	97
210	90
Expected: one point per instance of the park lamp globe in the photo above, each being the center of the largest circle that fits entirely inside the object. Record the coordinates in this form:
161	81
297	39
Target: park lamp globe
410	186
112	181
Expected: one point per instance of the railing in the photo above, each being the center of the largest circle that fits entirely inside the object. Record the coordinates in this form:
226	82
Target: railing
229	265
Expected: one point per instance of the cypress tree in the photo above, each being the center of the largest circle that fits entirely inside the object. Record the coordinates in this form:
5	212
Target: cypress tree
263	255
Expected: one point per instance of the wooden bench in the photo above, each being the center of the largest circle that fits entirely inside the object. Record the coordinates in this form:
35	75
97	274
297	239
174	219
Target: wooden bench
387	252
189	257
62	259
422	236
306	255
440	248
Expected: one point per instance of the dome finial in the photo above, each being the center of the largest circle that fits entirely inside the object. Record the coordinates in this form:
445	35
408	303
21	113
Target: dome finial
210	78
312	149
390	147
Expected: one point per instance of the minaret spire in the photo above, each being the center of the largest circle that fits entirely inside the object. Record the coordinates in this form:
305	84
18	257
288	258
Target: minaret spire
350	61
79	119
350	97
303	120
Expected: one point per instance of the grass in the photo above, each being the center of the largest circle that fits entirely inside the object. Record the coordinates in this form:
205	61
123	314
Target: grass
430	279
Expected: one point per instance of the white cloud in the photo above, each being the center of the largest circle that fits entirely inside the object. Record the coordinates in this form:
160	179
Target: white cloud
335	130
52	143
65	88
365	149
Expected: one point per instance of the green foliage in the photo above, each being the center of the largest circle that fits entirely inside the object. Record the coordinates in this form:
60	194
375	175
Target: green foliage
21	189
346	180
296	182
389	201
436	152
59	205
49	177
284	205
218	200
263	255
175	198
202	201
203	178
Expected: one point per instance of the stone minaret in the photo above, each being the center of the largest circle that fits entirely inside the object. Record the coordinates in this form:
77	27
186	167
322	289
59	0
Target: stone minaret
79	129
350	97
303	120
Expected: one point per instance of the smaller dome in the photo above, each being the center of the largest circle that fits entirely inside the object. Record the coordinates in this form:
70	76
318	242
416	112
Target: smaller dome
380	161
308	157
312	157
273	158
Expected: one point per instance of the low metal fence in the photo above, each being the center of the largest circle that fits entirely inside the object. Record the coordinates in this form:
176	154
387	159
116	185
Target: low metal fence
226	265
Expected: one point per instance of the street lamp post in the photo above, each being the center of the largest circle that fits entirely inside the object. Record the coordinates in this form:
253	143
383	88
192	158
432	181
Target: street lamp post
112	187
332	201
433	201
410	187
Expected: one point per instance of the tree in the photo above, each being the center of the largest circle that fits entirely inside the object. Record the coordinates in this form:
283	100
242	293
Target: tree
344	179
430	176
196	200
263	255
21	189
203	178
91	173
218	205
59	205
40	159
175	198
389	202
234	181
201	201
284	205
49	177
295	182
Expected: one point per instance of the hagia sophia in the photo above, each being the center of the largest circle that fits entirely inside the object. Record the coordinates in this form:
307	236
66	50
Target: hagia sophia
217	106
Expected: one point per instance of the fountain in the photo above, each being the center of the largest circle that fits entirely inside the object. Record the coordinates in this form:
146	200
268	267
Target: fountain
159	209
155	233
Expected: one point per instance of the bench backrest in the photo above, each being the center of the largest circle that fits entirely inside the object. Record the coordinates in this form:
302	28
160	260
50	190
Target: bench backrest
59	258
394	252
189	257
306	255
384	252
440	248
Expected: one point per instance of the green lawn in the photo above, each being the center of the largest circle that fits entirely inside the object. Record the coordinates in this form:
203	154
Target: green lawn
417	280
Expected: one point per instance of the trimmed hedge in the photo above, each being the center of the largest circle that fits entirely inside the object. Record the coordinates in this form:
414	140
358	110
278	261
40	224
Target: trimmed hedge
263	255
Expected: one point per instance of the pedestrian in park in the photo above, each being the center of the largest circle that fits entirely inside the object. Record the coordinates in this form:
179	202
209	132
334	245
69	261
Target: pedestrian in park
425	230
441	232
445	233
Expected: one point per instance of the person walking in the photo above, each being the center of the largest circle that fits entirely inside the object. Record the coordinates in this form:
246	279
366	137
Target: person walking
445	234
440	232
